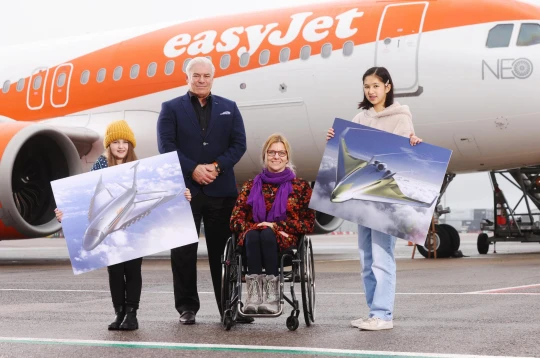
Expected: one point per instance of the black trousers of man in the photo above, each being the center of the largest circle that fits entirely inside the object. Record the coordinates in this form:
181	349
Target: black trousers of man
215	212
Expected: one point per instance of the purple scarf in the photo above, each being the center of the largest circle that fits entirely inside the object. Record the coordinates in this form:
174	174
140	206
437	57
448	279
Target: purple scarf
278	212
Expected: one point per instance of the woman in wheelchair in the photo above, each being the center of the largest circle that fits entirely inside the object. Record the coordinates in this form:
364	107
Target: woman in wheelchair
270	215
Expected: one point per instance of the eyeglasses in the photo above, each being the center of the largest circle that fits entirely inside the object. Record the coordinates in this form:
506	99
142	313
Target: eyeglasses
272	153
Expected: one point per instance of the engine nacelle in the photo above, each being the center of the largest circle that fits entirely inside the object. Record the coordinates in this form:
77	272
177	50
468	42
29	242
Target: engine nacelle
325	223
31	156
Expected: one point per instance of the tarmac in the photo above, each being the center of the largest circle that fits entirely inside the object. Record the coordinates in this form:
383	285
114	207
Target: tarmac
479	305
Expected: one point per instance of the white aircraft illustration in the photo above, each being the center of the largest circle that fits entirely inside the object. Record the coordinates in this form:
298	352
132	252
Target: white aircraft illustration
108	213
371	179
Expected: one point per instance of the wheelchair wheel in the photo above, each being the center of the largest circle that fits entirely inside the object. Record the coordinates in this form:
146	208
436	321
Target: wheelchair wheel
228	321
292	323
229	276
307	275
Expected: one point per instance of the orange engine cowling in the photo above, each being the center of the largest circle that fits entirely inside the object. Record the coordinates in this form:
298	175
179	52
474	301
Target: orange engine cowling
31	156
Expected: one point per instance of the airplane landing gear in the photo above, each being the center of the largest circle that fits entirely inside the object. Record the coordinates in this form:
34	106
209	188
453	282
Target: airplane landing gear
508	224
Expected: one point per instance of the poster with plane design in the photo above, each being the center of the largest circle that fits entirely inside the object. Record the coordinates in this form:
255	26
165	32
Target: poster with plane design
378	180
124	212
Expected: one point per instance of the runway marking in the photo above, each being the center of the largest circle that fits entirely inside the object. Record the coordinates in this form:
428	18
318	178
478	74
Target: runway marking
502	290
318	293
230	348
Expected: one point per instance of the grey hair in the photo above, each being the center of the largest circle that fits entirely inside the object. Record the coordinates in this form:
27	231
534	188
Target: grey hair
199	60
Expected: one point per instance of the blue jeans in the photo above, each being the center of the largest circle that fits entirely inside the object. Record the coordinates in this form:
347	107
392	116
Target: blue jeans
378	271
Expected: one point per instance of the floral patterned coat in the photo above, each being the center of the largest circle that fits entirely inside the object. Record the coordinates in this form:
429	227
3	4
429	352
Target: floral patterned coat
300	219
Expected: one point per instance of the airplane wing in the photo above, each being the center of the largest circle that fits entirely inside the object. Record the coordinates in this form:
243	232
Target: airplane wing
101	198
346	162
140	209
388	191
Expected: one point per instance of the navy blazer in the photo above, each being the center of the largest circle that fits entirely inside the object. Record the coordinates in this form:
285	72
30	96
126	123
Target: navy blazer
225	142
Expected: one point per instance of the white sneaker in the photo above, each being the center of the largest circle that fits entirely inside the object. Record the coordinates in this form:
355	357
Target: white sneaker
357	322
376	324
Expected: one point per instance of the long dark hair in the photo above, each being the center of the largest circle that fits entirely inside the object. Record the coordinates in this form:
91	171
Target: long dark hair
383	74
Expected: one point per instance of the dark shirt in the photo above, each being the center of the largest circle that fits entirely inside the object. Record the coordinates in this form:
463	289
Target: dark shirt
202	112
101	163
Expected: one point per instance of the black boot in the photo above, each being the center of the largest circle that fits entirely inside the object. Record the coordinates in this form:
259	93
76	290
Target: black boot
120	314
130	322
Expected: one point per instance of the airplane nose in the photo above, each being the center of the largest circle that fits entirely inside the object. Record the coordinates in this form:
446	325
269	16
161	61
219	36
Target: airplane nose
92	238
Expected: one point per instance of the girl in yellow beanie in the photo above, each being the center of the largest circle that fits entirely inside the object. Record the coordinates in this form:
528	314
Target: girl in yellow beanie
125	279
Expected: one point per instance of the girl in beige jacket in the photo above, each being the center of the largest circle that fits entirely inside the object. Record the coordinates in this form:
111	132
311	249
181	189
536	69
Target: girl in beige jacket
376	249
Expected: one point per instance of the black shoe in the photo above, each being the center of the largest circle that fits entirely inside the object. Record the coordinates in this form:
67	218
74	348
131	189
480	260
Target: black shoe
241	319
130	322
120	314
187	317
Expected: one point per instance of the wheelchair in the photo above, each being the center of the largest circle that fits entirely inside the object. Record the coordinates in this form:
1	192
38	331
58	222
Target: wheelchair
296	265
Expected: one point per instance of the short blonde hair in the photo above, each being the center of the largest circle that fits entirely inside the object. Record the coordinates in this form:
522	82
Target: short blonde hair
278	138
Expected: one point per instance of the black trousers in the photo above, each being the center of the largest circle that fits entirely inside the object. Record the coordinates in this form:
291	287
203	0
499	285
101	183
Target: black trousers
125	282
261	251
216	214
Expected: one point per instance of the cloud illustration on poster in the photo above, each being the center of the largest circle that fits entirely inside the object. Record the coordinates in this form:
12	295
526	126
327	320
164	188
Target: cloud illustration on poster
400	200
158	218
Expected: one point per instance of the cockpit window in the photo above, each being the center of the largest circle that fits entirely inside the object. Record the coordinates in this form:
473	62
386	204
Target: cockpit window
529	35
499	36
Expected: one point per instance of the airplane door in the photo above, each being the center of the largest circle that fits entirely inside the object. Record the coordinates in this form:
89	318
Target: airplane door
35	96
60	85
397	45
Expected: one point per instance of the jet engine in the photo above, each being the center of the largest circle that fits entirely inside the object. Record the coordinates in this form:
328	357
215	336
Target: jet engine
31	156
325	223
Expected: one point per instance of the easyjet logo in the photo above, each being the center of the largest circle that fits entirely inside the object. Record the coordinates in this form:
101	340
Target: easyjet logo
313	30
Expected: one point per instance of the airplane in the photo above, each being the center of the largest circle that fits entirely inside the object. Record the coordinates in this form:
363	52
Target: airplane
467	69
371	180
108	213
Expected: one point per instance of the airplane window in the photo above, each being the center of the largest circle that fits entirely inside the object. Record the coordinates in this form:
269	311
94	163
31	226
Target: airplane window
151	70
5	87
117	74
305	52
499	36
85	76
284	54
244	59
134	72
264	57
101	75
326	50
37	83
184	66
225	61
61	80
348	48
529	35
20	85
169	67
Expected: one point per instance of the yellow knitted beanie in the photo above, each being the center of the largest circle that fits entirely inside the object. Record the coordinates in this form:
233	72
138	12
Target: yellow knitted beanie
118	130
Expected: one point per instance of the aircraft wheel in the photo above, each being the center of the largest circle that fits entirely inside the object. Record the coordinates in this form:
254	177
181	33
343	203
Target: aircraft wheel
482	244
455	240
441	241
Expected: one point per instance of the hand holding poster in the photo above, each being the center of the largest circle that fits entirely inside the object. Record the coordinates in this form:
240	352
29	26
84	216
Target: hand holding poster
378	180
124	212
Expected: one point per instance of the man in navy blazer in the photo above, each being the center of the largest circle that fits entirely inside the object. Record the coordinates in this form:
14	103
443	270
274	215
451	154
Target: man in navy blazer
207	132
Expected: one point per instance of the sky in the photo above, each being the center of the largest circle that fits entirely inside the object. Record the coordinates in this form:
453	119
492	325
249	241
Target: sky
26	21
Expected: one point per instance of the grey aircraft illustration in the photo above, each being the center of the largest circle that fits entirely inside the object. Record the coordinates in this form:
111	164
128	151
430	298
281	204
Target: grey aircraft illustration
108	214
368	179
